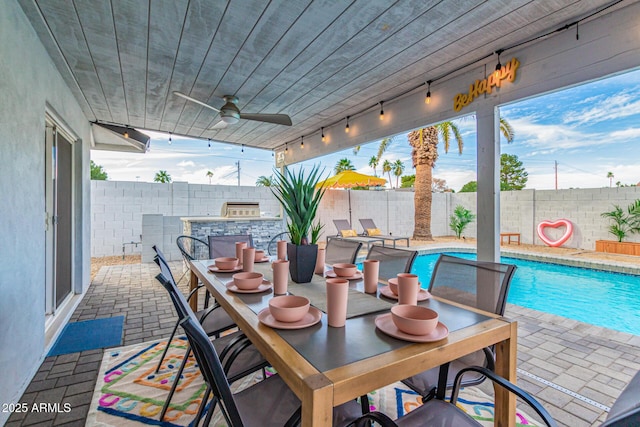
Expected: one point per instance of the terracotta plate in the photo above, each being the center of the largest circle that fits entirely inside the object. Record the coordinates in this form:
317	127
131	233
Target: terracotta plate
423	294
265	259
311	318
386	325
212	268
332	274
264	286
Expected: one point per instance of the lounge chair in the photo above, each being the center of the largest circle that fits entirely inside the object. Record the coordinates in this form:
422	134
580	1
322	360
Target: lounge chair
371	230
345	232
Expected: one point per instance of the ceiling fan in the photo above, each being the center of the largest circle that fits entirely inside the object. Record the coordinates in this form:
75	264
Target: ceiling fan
230	113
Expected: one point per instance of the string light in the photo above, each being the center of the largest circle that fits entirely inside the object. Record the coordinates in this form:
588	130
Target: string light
169	138
126	134
272	152
427	99
242	148
381	110
498	65
346	128
302	142
324	138
286	148
209	143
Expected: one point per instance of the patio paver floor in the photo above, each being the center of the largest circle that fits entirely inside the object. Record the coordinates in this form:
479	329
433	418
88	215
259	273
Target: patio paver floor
593	362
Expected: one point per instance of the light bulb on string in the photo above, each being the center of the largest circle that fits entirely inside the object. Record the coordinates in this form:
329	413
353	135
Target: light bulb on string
209	143
324	138
381	110
498	65
427	99
302	142
169	138
242	150
346	128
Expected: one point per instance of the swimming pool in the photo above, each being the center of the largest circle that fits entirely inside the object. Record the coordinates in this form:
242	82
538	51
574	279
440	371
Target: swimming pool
610	300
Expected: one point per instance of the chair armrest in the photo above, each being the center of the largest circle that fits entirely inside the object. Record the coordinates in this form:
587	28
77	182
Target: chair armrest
194	290
526	397
208	312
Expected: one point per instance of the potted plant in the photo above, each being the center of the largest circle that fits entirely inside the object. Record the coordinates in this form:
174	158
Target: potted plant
299	197
460	219
622	225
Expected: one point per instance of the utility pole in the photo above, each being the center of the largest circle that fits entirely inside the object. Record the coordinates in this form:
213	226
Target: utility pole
238	165
556	168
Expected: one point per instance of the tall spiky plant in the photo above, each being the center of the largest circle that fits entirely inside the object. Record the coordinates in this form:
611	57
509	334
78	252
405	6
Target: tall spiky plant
300	199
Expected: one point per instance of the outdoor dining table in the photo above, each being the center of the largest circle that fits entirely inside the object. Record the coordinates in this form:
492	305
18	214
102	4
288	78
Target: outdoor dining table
327	366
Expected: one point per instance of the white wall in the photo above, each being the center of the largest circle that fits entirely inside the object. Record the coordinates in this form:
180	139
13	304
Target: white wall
30	85
118	206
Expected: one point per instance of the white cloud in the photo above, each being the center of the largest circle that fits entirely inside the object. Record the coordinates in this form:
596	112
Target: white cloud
616	106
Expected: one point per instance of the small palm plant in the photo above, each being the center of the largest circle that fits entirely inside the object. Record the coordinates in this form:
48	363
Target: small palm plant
624	223
300	199
460	219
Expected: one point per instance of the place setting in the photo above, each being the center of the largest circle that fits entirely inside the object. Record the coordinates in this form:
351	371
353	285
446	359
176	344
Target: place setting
412	323
225	265
391	290
289	312
344	271
248	283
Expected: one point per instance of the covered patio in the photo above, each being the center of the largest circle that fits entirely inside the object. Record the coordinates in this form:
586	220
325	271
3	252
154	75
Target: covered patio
84	75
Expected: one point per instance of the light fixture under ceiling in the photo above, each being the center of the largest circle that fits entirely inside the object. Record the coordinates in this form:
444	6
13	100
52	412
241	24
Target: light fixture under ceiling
427	99
346	128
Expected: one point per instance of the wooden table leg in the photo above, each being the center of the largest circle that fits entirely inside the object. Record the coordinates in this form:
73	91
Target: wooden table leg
506	359
317	402
193	283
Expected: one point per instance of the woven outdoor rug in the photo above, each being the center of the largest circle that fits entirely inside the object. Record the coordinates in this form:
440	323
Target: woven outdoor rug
129	392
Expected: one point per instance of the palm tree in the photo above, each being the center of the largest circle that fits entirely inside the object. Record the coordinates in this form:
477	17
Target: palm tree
610	176
424	153
163	177
209	175
373	162
398	169
264	181
344	165
387	168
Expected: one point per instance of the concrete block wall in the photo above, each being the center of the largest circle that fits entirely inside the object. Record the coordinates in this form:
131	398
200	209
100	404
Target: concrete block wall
118	209
161	230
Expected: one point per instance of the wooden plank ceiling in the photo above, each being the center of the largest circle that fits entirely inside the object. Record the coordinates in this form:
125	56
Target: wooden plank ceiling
317	61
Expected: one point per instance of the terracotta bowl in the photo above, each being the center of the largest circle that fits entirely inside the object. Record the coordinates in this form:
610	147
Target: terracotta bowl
226	263
247	281
345	270
414	319
288	308
393	285
259	255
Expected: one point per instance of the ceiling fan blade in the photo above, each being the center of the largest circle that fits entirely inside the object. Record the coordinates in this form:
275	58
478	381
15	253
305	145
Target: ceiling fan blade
278	119
219	125
188	98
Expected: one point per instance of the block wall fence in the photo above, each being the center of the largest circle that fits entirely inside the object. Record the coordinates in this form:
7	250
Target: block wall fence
118	207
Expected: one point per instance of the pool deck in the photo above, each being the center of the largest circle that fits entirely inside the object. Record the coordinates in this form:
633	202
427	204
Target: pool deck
576	370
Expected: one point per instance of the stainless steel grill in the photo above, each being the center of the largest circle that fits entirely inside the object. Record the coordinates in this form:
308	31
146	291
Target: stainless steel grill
240	210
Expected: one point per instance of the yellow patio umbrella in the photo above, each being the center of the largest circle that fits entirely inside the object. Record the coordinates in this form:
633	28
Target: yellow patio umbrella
349	179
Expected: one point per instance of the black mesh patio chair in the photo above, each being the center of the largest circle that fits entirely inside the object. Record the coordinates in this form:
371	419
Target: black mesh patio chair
341	250
240	357
267	403
225	245
392	261
437	412
368	224
479	284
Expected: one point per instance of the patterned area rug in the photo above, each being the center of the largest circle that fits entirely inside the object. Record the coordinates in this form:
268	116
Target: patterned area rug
130	393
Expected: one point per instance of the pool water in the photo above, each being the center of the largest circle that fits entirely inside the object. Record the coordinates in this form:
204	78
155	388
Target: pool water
610	300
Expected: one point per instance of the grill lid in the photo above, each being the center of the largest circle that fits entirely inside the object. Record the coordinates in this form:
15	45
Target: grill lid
240	210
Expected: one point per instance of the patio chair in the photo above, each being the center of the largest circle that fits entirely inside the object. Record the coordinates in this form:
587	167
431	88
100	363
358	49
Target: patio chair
479	284
371	230
267	403
341	250
241	358
272	246
225	245
345	232
392	261
437	412
191	249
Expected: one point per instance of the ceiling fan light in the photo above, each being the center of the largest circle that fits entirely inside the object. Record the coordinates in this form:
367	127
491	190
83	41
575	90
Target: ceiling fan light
230	120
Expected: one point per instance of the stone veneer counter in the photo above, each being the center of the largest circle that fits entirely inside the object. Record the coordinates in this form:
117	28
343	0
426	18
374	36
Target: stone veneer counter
263	229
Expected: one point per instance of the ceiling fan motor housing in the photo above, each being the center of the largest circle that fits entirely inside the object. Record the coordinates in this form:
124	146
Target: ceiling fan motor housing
229	113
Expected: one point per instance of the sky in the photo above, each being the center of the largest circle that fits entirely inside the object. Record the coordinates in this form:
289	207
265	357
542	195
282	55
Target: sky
582	132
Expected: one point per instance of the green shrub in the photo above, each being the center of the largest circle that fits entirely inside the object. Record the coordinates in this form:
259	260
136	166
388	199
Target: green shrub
460	219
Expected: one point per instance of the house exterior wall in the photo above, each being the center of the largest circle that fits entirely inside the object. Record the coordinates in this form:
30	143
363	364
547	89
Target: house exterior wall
30	86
